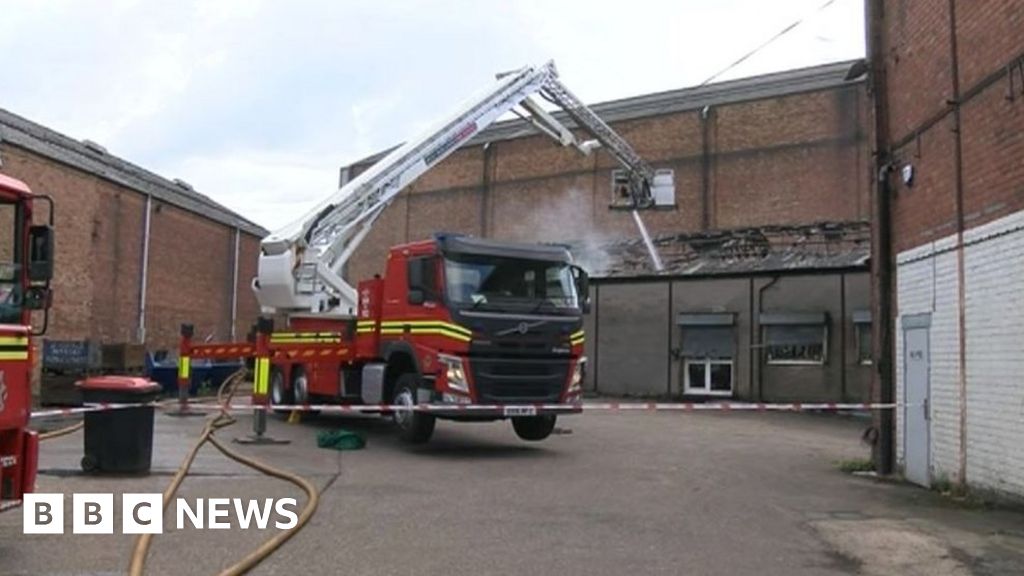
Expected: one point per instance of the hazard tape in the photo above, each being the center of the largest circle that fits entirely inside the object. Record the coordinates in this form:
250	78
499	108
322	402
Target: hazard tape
503	409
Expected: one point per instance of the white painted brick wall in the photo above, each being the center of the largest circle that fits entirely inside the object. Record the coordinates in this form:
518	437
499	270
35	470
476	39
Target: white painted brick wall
927	283
994	265
994	325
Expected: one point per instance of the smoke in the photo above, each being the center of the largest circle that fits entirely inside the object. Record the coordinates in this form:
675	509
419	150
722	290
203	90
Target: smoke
568	218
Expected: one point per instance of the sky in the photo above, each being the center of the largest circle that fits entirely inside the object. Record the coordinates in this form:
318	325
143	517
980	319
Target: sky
258	103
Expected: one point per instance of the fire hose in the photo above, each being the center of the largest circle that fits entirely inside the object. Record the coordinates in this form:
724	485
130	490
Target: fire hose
61	431
221	420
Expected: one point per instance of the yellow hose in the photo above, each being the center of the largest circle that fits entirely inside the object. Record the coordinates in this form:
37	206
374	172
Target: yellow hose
61	431
222	419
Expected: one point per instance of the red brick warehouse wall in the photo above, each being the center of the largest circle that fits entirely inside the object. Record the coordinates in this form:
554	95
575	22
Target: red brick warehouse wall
99	231
929	83
796	156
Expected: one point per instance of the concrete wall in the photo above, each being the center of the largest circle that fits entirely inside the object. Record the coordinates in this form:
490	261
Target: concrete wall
99	238
634	337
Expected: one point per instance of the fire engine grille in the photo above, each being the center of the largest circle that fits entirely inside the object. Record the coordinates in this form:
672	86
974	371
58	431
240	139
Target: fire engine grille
519	380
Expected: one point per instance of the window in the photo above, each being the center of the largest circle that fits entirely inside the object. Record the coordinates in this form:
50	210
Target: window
10	264
663	189
862	331
422	276
795	338
708	348
708	377
510	283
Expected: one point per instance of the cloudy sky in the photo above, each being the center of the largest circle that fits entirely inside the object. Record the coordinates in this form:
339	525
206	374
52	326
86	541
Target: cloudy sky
258	103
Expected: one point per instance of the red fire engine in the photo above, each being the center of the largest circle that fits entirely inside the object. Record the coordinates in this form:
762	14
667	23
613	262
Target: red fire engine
26	266
454	321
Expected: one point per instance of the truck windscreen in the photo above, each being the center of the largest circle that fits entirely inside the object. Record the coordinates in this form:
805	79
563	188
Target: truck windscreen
510	283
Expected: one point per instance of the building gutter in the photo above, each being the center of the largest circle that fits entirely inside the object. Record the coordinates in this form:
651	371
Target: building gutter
234	284
760	345
144	270
961	280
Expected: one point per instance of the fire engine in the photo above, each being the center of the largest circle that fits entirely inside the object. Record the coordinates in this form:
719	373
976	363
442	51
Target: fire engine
26	266
455	321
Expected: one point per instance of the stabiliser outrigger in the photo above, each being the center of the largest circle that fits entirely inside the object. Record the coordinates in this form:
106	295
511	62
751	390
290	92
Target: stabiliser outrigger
457	327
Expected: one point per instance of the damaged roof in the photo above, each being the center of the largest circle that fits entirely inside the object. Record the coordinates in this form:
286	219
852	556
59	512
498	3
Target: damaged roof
764	249
94	159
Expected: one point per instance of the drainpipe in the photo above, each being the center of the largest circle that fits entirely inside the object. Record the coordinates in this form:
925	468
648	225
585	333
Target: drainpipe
485	195
881	244
960	257
144	273
234	284
705	180
760	347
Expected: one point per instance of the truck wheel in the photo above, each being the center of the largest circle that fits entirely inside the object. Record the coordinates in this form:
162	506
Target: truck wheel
534	428
413	427
279	394
300	388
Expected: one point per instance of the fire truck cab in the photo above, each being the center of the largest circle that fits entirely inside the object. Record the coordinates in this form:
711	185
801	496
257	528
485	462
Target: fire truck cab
26	266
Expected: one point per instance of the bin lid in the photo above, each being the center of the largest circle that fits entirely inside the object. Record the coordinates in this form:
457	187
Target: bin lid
127	384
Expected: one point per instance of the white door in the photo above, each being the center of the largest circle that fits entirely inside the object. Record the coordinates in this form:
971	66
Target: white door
916	417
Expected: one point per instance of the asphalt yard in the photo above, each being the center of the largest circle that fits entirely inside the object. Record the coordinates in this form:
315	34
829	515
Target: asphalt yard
642	493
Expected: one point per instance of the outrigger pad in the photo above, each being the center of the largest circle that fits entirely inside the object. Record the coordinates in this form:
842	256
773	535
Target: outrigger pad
260	440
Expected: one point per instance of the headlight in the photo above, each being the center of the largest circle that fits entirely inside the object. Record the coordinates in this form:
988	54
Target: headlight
455	374
576	381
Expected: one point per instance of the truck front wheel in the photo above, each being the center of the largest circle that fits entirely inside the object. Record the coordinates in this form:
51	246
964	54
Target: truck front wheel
413	427
534	428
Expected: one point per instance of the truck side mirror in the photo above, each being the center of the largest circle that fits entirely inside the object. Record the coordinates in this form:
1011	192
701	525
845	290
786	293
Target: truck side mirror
40	253
582	280
38	298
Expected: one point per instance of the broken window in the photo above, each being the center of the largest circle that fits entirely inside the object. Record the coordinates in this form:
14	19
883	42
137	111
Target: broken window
795	338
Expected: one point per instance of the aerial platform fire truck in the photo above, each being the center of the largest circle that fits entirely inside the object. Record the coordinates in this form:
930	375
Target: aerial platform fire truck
455	322
26	266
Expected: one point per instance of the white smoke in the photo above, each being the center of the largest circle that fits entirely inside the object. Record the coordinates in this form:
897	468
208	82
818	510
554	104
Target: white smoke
567	219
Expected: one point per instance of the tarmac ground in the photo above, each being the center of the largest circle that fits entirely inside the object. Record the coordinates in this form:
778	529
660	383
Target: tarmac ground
642	493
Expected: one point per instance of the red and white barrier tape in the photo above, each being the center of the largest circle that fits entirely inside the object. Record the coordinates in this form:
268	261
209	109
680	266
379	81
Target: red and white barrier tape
503	409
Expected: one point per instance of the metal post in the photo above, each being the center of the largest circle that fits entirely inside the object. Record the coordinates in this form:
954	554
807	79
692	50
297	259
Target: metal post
261	386
184	373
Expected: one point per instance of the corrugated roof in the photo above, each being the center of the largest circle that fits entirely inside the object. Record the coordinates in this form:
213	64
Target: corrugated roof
772	85
92	158
765	249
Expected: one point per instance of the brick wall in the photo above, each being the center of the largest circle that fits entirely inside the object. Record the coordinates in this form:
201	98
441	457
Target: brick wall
791	159
99	230
941	101
919	71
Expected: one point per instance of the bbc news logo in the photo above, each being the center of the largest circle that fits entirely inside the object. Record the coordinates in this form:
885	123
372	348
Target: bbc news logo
144	513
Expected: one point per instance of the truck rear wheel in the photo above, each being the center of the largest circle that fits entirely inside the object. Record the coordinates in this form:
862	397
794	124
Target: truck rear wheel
413	427
534	428
279	394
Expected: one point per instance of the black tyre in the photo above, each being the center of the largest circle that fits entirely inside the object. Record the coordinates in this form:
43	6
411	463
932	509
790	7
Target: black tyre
300	388
534	428
280	395
413	427
89	463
